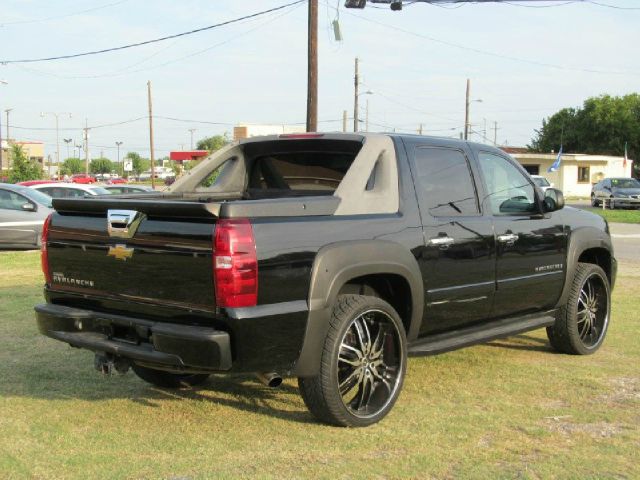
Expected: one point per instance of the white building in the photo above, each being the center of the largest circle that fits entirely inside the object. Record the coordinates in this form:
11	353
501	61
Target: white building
577	172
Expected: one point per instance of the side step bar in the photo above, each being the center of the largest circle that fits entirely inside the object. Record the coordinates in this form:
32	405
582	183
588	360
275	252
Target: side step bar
485	332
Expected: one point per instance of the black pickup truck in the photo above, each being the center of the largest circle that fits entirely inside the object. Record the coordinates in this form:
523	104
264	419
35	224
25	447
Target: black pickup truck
329	257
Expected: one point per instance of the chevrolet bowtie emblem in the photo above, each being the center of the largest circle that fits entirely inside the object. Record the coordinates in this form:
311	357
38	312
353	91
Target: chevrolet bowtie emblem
120	252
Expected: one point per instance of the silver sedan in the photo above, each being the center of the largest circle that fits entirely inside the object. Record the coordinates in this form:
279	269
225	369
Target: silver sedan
22	214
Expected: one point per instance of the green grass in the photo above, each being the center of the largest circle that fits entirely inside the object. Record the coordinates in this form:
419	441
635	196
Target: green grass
617	215
509	409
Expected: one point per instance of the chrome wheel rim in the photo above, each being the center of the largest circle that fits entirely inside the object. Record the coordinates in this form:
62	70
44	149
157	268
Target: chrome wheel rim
593	311
370	363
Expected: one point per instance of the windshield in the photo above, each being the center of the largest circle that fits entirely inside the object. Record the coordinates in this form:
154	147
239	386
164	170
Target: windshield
40	197
625	183
100	191
541	182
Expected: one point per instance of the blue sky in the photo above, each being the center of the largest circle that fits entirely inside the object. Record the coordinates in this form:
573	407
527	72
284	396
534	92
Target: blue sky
415	62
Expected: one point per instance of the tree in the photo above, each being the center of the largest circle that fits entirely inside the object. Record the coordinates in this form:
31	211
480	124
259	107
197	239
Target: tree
23	168
71	166
139	164
212	143
101	165
601	126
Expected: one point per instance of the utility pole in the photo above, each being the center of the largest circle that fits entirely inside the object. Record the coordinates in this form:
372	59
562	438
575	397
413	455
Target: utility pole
495	133
86	146
2	82
420	130
122	166
466	111
356	83
312	68
344	121
191	130
484	131
153	161
8	111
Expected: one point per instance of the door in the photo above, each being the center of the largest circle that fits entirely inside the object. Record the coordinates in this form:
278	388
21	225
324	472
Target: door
531	247
17	225
457	259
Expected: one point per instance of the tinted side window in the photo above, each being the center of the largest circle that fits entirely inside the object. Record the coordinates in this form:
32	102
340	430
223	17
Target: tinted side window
444	183
508	190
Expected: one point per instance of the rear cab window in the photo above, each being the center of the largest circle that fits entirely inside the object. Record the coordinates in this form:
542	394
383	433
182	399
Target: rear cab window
444	182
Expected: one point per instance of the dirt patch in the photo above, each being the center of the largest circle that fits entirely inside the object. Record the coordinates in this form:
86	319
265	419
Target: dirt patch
595	430
623	389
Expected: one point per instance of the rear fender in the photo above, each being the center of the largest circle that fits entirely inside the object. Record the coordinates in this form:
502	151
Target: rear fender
333	267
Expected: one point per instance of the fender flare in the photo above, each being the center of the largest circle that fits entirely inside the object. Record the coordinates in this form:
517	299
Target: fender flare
582	239
333	267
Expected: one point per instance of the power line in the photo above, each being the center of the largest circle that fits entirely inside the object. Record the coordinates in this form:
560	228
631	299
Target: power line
58	17
488	53
127	70
147	42
612	6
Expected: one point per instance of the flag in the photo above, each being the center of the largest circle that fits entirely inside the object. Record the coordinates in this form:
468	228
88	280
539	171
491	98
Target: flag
624	163
556	164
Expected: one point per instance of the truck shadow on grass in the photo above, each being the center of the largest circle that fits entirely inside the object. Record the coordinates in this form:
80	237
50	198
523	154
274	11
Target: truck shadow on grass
52	374
523	342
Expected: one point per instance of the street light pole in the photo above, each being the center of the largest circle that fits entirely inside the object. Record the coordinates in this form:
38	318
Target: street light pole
466	111
56	115
68	141
118	145
356	83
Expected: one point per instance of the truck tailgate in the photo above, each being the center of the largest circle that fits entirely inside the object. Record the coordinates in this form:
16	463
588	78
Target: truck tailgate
163	257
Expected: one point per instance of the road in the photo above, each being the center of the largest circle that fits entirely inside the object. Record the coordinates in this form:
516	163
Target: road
626	241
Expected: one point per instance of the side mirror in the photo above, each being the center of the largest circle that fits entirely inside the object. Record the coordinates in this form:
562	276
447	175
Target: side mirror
553	200
29	207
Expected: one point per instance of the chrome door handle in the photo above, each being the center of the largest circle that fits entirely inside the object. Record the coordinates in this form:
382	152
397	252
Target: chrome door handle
441	241
508	238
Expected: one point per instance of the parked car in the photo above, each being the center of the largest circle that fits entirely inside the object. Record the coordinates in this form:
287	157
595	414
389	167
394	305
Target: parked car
82	178
70	190
120	189
29	183
542	182
616	192
328	257
116	181
22	214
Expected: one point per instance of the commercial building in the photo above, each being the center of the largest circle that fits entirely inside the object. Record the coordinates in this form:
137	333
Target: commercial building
33	150
577	172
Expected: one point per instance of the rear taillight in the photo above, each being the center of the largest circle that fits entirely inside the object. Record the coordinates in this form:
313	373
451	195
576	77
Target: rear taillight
44	253
235	264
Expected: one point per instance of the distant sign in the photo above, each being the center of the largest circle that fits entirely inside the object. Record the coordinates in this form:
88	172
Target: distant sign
128	166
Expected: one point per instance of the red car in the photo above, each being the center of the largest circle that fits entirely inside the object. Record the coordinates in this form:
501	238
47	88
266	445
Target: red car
83	178
28	183
114	181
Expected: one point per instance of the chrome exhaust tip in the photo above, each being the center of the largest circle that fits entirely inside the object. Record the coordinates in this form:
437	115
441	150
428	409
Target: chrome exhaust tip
270	379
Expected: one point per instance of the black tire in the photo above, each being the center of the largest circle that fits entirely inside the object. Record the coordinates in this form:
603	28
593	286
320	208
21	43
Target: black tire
163	379
594	202
365	351
581	324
